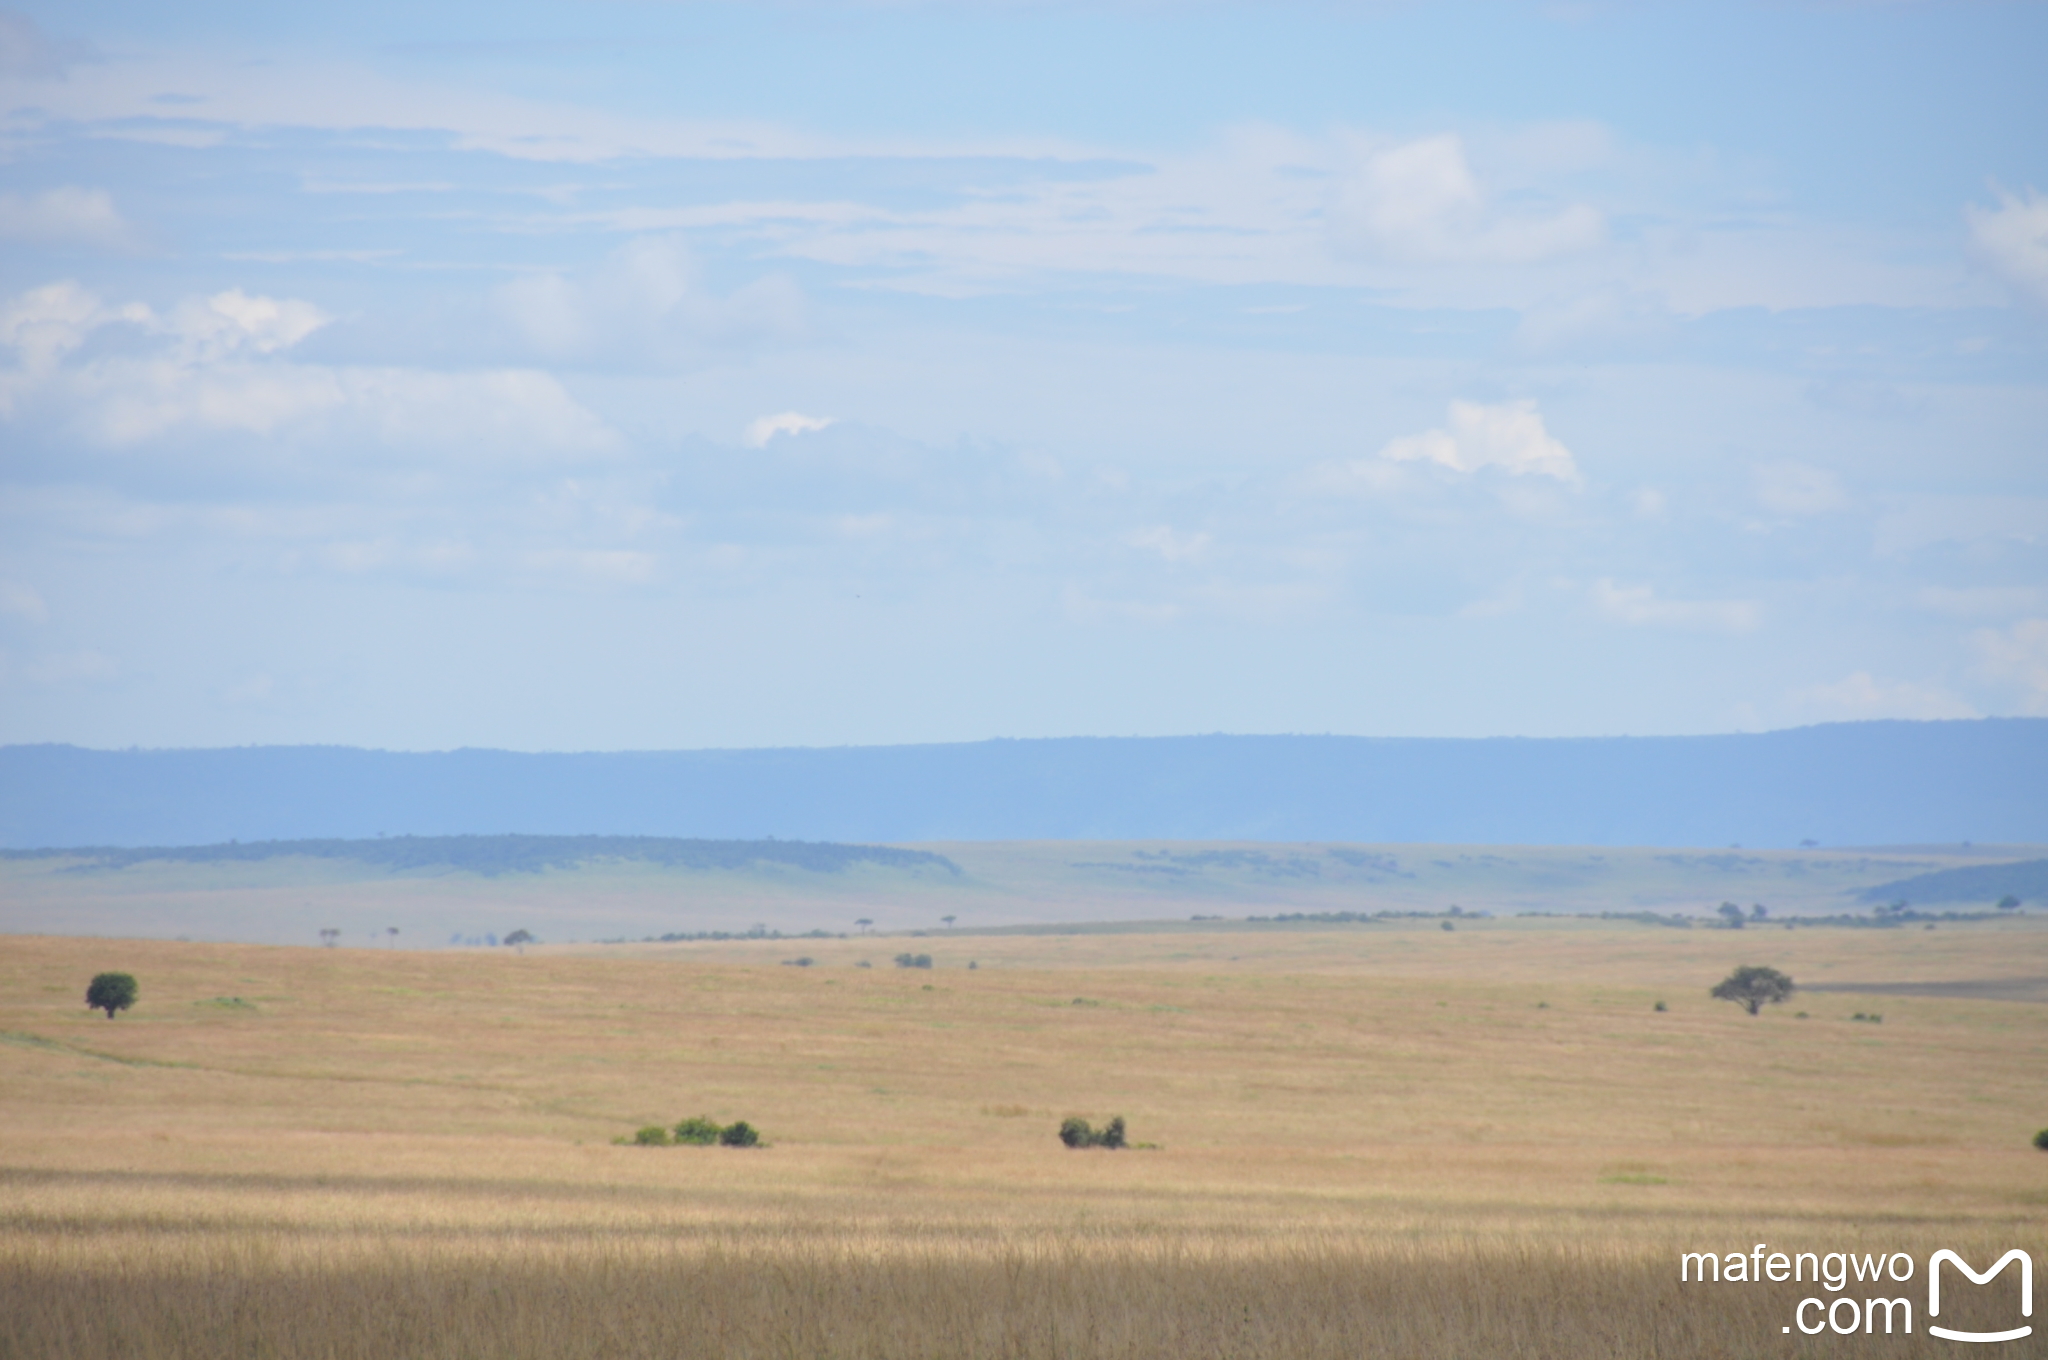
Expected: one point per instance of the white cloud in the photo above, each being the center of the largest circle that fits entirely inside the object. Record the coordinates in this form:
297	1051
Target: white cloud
1796	489
1608	318
221	364
645	306
598	566
2013	240
1639	607
2019	656
1419	202
1174	547
1979	602
18	601
236	323
1862	696
765	428
68	667
1084	607
65	216
1509	436
254	690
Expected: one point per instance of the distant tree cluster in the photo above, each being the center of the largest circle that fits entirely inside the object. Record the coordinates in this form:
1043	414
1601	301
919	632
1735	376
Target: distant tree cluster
1075	1133
913	960
696	1132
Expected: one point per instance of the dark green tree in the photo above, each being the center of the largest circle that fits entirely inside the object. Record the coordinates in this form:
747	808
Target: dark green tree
111	992
1753	988
1733	914
2008	903
740	1134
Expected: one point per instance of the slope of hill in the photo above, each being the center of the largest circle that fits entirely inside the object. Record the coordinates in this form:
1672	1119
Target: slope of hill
2024	879
1849	783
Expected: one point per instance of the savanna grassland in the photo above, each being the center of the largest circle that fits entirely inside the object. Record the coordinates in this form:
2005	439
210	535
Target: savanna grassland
1386	1139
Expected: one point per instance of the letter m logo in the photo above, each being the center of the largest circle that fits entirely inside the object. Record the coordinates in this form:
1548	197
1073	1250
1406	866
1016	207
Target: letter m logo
2026	1293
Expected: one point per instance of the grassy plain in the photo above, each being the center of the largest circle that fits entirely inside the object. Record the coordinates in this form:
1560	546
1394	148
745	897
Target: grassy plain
290	900
1386	1139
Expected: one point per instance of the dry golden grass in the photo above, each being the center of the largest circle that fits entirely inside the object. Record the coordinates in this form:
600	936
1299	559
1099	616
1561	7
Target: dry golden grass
1388	1140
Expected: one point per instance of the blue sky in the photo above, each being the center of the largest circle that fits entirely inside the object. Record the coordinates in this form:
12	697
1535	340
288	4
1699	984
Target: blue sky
626	375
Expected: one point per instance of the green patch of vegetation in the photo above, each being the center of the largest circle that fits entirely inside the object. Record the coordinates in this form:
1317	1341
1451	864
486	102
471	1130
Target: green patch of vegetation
697	1131
1076	1133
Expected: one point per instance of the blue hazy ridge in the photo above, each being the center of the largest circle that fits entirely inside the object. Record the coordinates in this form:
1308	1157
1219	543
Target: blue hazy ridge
1839	784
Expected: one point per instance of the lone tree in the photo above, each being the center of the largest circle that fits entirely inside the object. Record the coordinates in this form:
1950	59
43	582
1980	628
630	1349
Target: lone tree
2008	903
519	939
1753	988
328	935
1732	913
111	992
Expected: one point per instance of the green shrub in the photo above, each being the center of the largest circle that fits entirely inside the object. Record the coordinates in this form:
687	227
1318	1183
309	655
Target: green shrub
654	1135
2041	1140
1660	1006
1076	1133
913	960
740	1134
697	1132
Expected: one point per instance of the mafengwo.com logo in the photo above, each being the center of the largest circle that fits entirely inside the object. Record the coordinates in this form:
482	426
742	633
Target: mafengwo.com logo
1869	1293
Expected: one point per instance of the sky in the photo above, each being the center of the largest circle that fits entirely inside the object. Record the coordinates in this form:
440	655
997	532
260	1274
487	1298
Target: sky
629	375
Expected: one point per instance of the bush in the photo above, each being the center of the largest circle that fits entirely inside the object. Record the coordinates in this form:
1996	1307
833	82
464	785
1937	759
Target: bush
2041	1140
913	960
654	1135
1076	1133
740	1134
1660	1006
698	1132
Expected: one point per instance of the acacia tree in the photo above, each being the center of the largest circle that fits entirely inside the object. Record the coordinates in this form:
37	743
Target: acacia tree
1753	988
111	992
1732	914
519	939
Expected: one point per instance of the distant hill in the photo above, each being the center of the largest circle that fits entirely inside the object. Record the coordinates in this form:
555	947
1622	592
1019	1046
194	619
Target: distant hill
1840	784
1983	883
494	855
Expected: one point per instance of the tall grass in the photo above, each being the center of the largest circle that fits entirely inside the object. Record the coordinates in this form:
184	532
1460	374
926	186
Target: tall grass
160	1294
